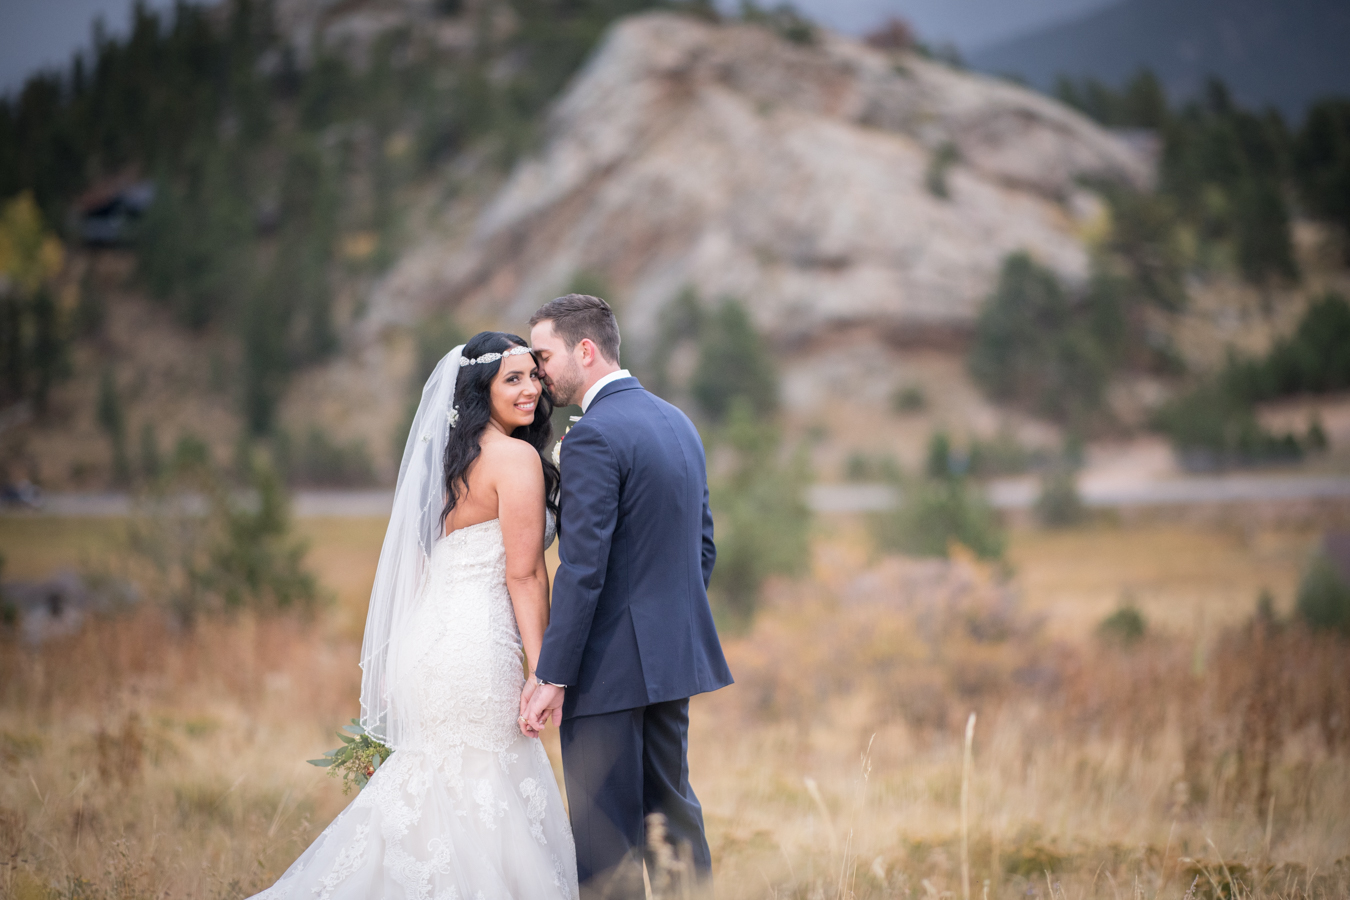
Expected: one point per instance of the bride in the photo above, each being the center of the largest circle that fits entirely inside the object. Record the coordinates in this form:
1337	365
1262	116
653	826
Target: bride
466	807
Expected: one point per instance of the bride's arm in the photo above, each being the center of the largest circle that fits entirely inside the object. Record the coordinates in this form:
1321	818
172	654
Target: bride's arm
520	507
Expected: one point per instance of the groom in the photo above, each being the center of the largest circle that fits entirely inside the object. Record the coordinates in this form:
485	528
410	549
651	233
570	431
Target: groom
631	635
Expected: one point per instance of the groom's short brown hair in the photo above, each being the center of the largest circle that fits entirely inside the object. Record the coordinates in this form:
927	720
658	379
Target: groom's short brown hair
577	316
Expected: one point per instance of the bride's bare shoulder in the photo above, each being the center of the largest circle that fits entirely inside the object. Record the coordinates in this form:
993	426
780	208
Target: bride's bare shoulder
509	453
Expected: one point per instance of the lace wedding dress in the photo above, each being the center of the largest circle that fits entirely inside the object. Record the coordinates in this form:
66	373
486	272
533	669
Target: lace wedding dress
469	810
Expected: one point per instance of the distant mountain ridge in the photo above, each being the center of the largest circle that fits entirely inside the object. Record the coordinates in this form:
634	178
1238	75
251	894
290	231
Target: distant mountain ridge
1284	53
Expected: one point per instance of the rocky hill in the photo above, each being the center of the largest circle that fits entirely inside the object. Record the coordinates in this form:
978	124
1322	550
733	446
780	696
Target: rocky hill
827	185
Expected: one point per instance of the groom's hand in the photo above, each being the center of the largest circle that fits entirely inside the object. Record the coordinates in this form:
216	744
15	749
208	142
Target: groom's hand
545	703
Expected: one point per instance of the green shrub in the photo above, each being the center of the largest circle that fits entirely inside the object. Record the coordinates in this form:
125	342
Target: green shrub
756	486
1003	454
867	467
1034	349
1144	256
9	613
1059	505
762	522
1316	439
1265	609
112	420
939	163
255	560
940	462
1324	597
151	464
588	281
191	453
934	512
1314	359
1211	428
241	553
1125	627
783	19
909	398
733	363
680	322
1215	423
319	461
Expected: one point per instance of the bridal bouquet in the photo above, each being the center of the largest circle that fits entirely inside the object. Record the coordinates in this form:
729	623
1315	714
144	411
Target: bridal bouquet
356	760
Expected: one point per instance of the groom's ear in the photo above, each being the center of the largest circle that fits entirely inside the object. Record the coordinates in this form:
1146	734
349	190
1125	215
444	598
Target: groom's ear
589	353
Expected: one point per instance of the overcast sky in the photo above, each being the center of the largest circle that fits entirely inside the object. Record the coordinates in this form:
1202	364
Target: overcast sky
36	34
39	33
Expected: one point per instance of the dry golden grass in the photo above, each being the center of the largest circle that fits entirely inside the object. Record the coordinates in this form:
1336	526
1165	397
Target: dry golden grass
136	761
35	546
1099	765
1184	578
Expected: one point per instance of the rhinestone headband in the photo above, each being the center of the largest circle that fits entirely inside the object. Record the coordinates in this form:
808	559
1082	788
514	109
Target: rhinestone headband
492	357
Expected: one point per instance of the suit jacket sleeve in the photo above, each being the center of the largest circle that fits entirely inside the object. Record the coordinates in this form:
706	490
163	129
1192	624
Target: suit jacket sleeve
709	548
590	510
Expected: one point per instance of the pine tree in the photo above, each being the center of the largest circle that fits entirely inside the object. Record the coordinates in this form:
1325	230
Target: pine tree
112	419
734	363
1322	163
1264	248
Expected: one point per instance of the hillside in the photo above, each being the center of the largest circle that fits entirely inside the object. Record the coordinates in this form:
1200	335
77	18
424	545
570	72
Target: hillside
847	197
1284	53
374	189
827	185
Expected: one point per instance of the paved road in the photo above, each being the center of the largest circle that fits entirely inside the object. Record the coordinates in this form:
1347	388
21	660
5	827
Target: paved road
1020	493
1012	493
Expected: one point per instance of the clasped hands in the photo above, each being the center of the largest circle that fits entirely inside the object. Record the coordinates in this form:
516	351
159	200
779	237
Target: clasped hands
538	704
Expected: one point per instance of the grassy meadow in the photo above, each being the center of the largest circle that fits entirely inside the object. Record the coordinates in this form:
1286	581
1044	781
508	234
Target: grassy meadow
1205	757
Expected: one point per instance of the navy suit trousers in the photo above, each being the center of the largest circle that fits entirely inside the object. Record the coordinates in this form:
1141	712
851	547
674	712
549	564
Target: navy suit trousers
621	767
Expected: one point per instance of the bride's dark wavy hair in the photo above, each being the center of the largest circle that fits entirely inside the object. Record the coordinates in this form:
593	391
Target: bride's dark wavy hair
473	399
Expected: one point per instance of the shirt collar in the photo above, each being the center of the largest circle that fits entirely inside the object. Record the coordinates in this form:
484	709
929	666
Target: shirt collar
595	388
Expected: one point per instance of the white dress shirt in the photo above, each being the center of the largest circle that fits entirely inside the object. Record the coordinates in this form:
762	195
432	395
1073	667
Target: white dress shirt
595	388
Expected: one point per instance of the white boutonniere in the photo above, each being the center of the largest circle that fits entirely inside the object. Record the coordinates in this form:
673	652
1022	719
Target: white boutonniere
557	448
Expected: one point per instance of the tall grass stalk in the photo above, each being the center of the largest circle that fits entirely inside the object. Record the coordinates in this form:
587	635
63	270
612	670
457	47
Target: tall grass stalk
966	764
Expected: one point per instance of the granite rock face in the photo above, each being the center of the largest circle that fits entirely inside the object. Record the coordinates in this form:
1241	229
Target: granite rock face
807	180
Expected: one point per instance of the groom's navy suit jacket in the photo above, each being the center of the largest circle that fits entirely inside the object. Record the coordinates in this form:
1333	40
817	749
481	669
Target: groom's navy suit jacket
630	624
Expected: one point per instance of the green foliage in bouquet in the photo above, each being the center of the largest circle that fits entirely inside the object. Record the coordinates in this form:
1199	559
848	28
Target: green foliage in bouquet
356	760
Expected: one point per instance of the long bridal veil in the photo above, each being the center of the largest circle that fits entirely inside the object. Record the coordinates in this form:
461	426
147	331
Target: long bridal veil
388	713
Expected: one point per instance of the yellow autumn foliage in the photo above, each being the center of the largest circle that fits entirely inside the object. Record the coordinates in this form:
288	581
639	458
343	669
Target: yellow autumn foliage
29	253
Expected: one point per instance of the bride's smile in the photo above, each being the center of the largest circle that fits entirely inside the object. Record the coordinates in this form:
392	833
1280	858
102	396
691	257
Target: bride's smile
515	393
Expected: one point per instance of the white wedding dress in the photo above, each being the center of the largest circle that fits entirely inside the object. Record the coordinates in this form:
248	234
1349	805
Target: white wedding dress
470	809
